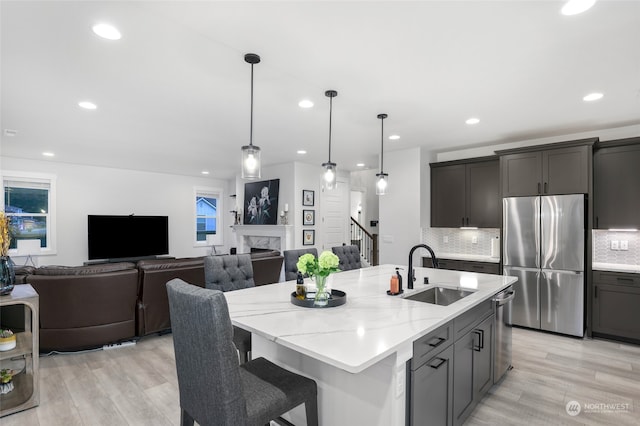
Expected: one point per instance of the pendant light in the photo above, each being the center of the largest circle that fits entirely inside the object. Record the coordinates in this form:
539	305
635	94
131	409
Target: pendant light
251	153
329	167
383	178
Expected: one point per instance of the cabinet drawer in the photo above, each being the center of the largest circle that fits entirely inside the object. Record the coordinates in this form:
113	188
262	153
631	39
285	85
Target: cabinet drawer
425	347
464	265
468	320
616	278
483	267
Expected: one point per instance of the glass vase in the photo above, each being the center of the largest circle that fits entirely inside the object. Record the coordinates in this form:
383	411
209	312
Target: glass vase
322	297
7	275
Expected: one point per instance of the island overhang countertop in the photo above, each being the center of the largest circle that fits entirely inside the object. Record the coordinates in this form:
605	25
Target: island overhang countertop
370	326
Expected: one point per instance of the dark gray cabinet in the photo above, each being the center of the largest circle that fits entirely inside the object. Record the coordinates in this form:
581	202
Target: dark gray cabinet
616	184
464	265
466	193
472	369
563	168
432	390
616	302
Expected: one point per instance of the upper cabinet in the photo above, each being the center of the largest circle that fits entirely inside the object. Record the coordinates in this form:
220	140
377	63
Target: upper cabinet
616	184
555	169
466	193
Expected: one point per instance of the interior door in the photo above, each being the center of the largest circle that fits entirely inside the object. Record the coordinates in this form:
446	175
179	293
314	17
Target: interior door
335	216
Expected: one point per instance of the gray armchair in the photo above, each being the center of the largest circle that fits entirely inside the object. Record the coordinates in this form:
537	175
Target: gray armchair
349	257
214	388
290	260
228	273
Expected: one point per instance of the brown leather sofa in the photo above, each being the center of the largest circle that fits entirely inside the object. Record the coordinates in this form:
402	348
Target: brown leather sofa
85	306
153	305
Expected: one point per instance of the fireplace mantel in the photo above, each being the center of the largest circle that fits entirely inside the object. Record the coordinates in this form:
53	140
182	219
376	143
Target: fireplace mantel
251	236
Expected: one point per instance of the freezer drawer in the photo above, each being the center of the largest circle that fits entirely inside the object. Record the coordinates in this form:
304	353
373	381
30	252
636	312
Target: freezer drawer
562	302
525	309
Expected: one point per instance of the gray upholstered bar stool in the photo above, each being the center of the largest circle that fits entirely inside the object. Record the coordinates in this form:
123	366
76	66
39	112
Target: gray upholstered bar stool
228	273
349	257
214	389
290	260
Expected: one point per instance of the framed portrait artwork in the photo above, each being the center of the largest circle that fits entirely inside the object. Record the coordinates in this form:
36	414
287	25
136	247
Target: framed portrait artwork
308	197
308	217
308	237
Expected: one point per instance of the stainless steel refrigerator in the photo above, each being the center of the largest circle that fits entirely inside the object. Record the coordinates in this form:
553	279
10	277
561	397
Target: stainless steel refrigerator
544	246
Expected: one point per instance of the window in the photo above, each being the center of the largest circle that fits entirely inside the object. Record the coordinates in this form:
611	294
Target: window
29	204
208	220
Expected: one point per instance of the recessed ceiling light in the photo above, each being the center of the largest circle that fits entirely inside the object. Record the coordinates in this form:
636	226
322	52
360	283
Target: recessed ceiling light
305	103
107	31
301	151
87	105
472	120
10	132
573	7
394	137
592	97
48	154
360	165
205	172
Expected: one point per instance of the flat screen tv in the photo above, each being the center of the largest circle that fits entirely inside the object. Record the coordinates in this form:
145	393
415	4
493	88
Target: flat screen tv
118	237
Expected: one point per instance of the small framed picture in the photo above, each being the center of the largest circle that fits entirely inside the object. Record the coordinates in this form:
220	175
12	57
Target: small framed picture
308	237
308	217
308	197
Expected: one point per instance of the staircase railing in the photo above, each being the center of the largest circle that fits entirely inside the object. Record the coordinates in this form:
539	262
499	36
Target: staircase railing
366	242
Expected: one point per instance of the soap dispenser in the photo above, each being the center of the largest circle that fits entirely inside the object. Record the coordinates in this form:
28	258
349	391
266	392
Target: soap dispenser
399	280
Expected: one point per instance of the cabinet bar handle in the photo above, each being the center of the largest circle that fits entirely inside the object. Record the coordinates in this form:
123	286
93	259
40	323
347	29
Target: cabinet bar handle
595	292
439	364
479	347
624	279
538	187
440	340
545	187
463	221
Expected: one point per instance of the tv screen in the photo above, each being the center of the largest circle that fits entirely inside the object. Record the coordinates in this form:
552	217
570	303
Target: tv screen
115	237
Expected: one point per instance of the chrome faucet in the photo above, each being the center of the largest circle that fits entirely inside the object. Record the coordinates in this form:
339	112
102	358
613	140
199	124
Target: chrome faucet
410	273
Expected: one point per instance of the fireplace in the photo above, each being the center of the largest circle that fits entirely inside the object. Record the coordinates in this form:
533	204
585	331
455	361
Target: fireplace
272	237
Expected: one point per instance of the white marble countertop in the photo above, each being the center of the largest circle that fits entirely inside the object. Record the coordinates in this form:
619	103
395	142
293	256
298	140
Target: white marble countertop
616	267
470	257
369	327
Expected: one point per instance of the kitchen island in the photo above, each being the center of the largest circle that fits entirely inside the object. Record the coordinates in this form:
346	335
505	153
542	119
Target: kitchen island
357	352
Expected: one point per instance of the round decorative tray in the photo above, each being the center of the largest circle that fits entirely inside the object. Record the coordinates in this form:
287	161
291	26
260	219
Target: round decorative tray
337	298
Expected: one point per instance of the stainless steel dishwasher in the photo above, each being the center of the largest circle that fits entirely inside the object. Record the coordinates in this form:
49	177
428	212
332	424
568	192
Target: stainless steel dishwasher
503	326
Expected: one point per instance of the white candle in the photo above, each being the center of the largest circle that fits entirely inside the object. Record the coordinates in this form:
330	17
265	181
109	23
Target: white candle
282	213
286	207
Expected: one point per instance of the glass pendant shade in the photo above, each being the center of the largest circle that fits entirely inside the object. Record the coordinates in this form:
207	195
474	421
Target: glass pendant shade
329	176
381	184
250	162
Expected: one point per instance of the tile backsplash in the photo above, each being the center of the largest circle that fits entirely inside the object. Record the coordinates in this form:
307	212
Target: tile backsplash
603	252
460	241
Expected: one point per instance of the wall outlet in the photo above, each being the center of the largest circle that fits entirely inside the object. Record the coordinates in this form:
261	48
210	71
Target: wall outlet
445	239
474	240
615	245
624	245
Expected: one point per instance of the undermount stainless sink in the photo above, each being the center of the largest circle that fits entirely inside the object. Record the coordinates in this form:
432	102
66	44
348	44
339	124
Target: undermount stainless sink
440	295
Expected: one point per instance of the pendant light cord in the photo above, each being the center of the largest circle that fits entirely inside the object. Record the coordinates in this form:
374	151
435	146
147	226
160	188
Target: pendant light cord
382	147
251	124
330	113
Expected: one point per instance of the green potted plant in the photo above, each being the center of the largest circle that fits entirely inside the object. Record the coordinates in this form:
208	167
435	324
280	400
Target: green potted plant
6	377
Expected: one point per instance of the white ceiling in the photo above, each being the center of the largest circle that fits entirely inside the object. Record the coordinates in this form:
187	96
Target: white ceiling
173	93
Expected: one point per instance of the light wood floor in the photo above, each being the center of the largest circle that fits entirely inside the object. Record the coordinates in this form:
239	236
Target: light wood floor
138	386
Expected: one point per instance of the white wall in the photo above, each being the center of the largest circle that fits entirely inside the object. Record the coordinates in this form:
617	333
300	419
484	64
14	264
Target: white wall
85	190
401	208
